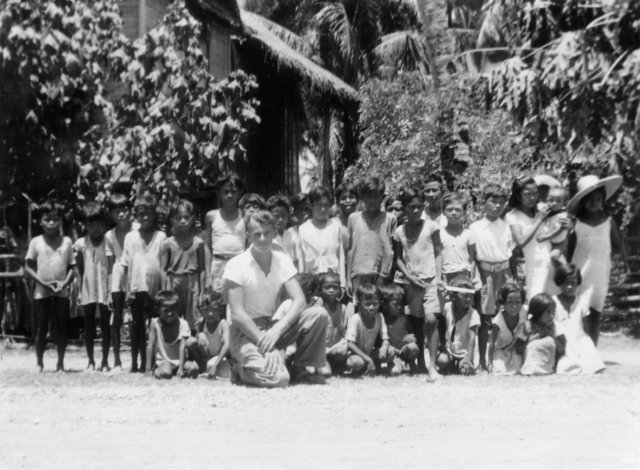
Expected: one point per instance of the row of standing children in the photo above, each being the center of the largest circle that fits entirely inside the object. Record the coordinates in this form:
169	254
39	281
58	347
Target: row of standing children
430	250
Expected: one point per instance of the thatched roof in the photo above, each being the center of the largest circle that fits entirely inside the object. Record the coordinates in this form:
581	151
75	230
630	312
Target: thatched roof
226	11
319	78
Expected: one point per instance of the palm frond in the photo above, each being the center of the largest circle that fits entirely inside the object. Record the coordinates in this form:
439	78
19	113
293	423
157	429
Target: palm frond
333	19
404	50
410	5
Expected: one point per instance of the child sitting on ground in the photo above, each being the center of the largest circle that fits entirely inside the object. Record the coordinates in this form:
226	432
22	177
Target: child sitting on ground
462	322
367	336
168	334
508	330
543	344
49	262
401	340
210	347
93	261
337	350
183	264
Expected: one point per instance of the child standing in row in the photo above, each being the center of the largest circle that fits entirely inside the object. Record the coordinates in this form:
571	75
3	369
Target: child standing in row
49	262
367	336
347	199
462	323
402	342
182	261
321	238
287	239
370	252
594	238
141	261
121	215
494	244
225	230
418	257
93	261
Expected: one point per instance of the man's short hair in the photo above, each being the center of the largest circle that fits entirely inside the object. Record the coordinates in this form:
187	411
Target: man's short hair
165	296
261	217
182	205
409	194
344	188
50	207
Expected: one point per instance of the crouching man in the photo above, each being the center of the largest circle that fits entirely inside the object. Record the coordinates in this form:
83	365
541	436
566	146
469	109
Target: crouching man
254	280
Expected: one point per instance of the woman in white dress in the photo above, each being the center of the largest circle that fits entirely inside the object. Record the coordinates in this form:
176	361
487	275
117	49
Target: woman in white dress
525	220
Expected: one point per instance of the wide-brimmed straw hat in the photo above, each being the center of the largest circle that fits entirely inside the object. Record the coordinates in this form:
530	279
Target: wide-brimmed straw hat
547	180
590	183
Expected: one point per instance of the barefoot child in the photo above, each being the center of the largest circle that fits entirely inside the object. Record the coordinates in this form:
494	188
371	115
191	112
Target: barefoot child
418	257
49	262
93	261
225	230
141	262
337	350
168	334
508	331
494	244
347	200
210	346
592	241
121	215
543	343
402	342
370	253
182	262
462	323
321	238
367	336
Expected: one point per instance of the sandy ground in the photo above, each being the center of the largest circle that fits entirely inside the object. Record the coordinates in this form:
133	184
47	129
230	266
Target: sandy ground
95	420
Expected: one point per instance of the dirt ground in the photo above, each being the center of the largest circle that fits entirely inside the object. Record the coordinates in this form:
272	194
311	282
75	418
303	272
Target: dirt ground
94	420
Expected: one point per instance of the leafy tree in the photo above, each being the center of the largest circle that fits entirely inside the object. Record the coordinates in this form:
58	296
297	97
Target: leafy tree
53	64
175	124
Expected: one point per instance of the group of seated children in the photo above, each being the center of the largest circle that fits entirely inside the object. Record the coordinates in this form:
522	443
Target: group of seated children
417	275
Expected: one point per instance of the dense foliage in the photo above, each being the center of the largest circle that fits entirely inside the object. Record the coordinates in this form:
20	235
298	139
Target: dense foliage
167	123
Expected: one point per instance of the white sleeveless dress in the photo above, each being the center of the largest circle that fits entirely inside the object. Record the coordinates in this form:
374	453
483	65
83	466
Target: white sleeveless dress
592	257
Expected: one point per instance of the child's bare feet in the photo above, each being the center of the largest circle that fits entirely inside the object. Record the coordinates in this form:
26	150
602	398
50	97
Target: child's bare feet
60	367
91	366
134	368
104	367
397	367
40	368
434	376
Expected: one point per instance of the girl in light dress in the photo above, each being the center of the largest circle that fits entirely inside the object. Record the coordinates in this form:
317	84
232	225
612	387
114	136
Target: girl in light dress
543	342
508	337
525	220
592	241
581	355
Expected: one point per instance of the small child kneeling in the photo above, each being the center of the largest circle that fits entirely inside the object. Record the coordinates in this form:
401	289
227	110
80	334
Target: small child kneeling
168	336
210	347
401	339
364	330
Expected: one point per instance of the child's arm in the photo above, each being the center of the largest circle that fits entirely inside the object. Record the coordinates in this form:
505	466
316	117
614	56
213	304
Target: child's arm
181	358
151	350
202	272
492	346
561	344
224	349
617	243
556	230
67	280
341	261
513	267
30	269
471	249
165	255
353	347
437	250
79	263
466	365
520	346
